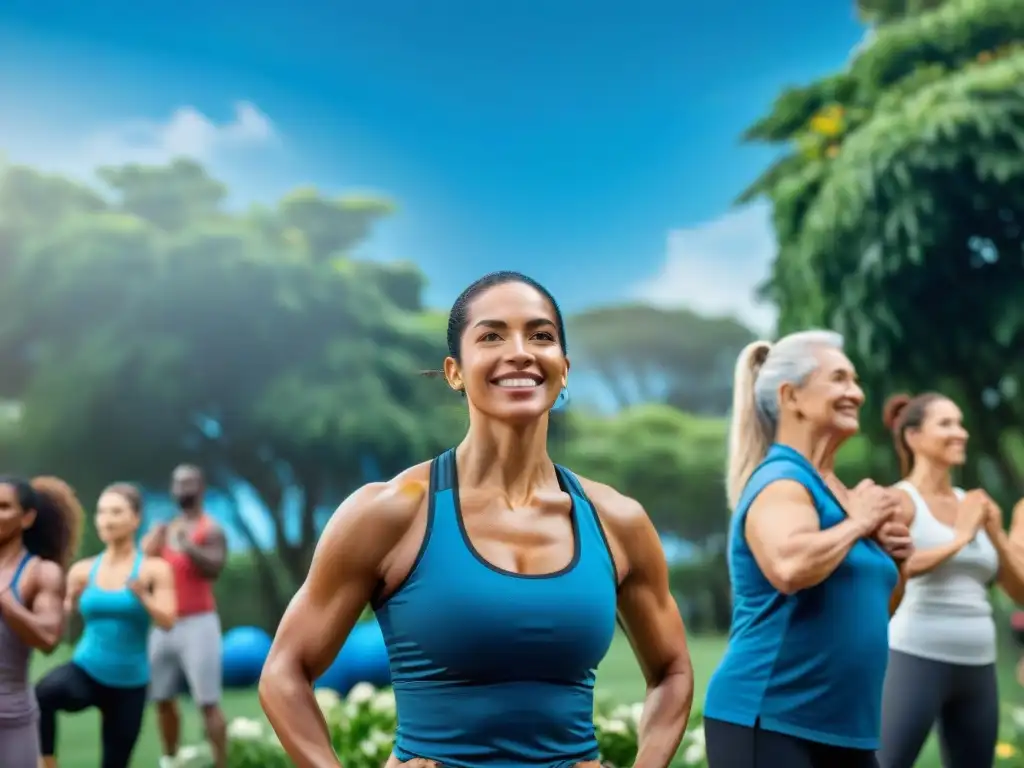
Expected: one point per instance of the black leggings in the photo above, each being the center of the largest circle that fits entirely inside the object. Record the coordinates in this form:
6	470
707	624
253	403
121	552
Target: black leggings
962	699
737	746
68	688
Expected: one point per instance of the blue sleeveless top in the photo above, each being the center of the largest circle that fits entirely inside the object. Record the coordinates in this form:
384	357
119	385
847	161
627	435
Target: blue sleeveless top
495	669
811	664
112	649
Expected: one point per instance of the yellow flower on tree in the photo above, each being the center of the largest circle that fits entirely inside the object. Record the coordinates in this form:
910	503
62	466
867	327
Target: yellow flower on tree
828	121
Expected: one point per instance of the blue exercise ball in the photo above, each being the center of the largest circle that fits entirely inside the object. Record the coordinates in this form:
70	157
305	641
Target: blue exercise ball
245	650
363	659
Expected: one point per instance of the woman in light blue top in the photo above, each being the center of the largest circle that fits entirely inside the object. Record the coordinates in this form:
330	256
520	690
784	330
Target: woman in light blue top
118	594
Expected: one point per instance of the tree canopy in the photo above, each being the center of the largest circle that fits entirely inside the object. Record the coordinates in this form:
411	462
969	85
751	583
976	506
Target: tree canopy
144	323
644	354
897	209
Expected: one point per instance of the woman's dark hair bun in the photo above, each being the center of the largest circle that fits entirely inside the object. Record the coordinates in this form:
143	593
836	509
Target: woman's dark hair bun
893	409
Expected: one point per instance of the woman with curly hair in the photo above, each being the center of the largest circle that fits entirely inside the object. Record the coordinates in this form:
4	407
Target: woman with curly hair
40	522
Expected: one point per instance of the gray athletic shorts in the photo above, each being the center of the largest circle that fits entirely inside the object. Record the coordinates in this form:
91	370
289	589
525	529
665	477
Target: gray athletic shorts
192	647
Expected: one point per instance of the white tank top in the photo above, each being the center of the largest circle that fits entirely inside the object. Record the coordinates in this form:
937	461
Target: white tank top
945	614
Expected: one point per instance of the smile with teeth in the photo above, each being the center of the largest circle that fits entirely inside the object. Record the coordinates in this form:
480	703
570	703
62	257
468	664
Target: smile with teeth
511	382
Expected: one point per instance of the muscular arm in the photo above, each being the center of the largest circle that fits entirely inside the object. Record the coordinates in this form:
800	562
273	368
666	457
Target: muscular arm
210	556
897	594
154	541
785	536
1010	548
346	568
78	575
39	622
926	560
650	616
157	592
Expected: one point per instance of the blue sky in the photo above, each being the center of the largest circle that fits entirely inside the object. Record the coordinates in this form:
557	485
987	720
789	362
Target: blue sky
591	144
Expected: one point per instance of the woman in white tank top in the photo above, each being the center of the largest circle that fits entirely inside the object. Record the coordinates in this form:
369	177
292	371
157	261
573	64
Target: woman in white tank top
942	639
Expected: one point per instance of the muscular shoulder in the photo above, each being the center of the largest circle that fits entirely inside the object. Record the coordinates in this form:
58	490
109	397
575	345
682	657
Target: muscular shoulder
45	576
784	491
80	571
379	514
155	568
620	513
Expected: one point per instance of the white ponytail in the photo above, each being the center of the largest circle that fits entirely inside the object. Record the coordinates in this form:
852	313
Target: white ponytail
761	370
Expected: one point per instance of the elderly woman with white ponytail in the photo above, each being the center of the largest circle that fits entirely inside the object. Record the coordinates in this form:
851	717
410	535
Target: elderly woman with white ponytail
814	569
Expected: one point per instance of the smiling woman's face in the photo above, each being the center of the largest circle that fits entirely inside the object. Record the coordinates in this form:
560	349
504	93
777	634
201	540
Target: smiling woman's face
512	367
831	398
942	437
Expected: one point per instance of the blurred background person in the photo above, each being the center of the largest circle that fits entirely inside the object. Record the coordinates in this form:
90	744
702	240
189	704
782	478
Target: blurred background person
195	547
118	594
942	662
40	521
800	684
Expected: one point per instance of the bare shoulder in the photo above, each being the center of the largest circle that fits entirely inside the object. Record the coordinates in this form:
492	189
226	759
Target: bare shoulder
46	575
377	515
155	568
623	515
1018	510
212	528
80	570
907	507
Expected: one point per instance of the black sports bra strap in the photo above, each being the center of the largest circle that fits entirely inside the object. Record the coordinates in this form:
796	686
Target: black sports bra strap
442	472
569	481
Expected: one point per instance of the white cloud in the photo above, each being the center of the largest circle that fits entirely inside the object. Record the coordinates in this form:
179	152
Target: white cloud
187	133
714	268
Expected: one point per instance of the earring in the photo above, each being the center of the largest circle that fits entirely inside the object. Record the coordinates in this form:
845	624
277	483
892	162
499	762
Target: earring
562	400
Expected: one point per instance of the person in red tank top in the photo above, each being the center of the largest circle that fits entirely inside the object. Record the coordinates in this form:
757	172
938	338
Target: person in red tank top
196	548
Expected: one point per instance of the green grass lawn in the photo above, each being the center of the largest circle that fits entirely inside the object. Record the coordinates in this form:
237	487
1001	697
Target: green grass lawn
618	677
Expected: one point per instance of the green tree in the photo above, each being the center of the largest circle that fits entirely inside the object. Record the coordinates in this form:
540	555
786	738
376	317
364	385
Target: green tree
154	326
897	212
646	354
670	461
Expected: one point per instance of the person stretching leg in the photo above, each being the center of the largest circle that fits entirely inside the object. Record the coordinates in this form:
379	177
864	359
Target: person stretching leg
196	549
118	594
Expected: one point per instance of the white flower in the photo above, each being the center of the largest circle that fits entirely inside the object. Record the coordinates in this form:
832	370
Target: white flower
694	754
384	702
245	729
361	693
636	712
1018	717
621	711
327	699
615	725
368	747
381	738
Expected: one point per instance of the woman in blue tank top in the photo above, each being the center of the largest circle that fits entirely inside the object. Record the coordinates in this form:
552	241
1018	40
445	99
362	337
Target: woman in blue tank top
118	594
496	576
813	568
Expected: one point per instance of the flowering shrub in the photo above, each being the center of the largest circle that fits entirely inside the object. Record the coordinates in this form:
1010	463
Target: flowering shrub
1010	750
362	727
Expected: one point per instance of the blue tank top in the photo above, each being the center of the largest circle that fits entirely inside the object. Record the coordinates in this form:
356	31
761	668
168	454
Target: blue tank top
495	669
811	664
112	649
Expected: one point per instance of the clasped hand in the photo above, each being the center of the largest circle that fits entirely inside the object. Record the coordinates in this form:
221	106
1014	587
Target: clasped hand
877	506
